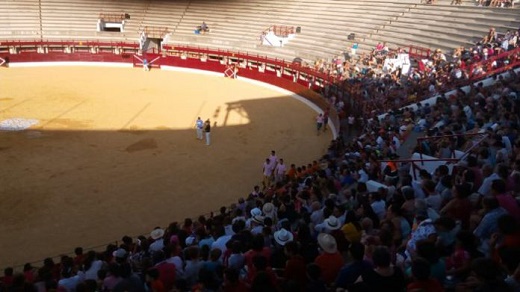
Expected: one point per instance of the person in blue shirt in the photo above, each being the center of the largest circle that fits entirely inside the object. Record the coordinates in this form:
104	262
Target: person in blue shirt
146	65
199	125
350	272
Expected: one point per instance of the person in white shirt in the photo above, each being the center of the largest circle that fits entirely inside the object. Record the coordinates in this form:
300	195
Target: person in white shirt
485	188
396	141
380	140
319	123
362	176
268	172
279	172
257	225
273	159
222	239
378	205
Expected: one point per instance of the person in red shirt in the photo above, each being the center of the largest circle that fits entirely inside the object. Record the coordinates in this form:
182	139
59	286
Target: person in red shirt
7	280
506	201
257	249
166	270
460	207
79	258
232	282
153	281
295	268
422	281
330	260
508	235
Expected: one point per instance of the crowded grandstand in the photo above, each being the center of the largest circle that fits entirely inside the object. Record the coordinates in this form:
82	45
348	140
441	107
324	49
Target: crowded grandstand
418	191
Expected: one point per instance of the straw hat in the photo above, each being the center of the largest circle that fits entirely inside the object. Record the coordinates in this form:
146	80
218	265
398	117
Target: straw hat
157	233
256	212
327	242
332	223
283	236
268	210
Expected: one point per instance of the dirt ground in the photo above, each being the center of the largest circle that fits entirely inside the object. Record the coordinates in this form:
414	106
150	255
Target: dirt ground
115	152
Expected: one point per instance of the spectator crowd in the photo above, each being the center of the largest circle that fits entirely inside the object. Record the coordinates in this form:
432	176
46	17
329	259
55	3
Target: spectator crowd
347	222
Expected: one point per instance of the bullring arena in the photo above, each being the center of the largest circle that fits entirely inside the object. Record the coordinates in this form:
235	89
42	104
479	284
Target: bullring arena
115	150
93	147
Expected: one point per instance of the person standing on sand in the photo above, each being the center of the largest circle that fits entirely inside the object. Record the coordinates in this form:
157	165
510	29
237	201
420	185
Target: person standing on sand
279	171
319	123
325	119
207	130
199	125
146	65
267	171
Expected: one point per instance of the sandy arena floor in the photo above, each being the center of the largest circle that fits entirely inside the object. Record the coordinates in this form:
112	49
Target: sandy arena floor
115	152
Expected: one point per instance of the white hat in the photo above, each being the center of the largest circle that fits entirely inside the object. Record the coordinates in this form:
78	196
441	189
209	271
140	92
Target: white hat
258	219
157	233
327	242
268	210
256	212
332	223
190	240
119	253
283	236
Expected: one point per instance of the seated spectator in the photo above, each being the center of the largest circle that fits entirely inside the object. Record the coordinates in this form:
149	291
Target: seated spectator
428	251
488	225
351	229
425	231
232	281
401	226
295	266
193	265
384	276
236	260
351	271
447	230
422	281
505	200
315	282
263	274
330	260
507	235
460	207
487	277
510	260
153	282
203	28
458	263
7	280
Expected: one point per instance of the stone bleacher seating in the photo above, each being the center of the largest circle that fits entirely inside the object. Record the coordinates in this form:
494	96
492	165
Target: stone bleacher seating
237	25
77	19
444	26
20	19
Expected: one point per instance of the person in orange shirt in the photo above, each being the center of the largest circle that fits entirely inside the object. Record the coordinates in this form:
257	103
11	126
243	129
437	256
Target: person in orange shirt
330	260
310	169
291	173
153	281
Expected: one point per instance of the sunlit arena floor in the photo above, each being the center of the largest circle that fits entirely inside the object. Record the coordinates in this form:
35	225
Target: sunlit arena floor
114	152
